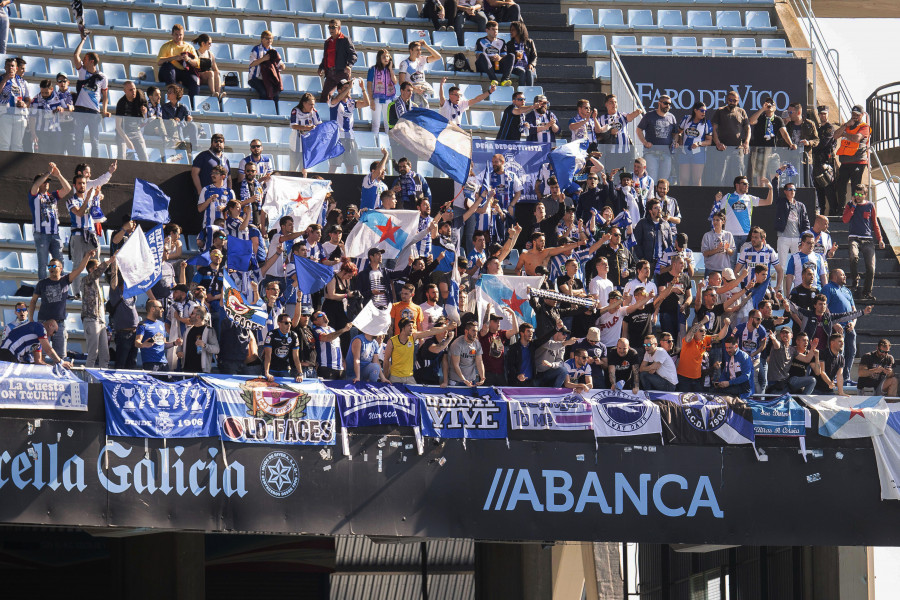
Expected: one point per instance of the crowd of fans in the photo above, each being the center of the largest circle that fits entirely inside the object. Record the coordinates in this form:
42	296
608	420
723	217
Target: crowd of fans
621	309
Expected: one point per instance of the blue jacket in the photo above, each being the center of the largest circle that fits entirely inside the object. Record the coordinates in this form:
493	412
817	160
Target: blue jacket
781	214
745	366
645	235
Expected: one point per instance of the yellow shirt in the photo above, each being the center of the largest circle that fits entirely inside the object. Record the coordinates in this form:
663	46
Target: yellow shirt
174	49
402	357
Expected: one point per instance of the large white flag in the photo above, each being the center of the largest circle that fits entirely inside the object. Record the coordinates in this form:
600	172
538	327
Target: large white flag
296	196
621	413
845	417
390	230
140	260
373	320
887	455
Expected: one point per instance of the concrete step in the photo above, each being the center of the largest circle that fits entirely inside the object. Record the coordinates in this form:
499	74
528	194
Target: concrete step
885	262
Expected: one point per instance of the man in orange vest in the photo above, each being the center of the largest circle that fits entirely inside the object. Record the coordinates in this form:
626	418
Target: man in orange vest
853	152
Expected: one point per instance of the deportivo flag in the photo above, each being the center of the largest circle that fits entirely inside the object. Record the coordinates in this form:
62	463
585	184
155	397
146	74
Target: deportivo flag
240	253
323	142
388	230
844	417
246	316
296	196
433	138
620	413
704	418
887	455
567	160
140	260
150	203
311	276
507	291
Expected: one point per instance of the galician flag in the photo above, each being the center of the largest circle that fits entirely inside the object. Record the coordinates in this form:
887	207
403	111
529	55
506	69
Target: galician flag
844	417
388	230
296	196
507	291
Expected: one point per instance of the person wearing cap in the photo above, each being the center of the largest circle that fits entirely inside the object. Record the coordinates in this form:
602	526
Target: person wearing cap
736	377
306	340
432	365
66	120
351	218
541	124
374	282
824	167
493	344
853	152
328	350
512	124
399	352
204	162
865	235
595	352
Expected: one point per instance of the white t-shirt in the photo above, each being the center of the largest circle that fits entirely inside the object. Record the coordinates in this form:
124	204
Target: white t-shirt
635	284
601	287
610	326
667	368
91	92
453	112
415	70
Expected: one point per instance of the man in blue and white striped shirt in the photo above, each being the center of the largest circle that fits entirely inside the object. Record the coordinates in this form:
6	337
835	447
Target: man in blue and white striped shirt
45	216
44	122
797	262
29	344
328	347
213	198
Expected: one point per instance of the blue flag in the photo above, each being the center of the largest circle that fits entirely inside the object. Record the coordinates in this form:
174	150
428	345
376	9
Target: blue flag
240	253
366	404
311	276
150	203
567	160
238	310
139	405
201	260
781	417
432	137
322	143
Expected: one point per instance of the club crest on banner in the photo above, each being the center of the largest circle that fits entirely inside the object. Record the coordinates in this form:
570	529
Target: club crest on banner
703	412
279	474
622	412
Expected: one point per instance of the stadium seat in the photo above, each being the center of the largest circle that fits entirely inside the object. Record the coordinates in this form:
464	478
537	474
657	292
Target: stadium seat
700	20
228	26
10	232
355	7
394	37
405	10
28	231
194	3
759	20
310	31
166	22
415	35
29	259
298	56
247	5
221	4
73	322
259	106
503	95
670	18
32	12
135	45
241	51
470	38
199	24
91	18
285	107
113	71
330	7
274	5
365	35
288	84
283	29
300	6
221	51
155	45
235	105
444	39
482	118
58	14
531	91
254	27
257	132
625	44
208	104
683	45
116	18
106	43
602	69
611	18
27	37
654	44
36	64
9	260
61	65
728	19
382	10
143	20
309	83
641	19
774	47
581	16
715	47
744	46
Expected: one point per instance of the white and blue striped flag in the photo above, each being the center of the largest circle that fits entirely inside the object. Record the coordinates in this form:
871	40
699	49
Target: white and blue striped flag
567	160
433	138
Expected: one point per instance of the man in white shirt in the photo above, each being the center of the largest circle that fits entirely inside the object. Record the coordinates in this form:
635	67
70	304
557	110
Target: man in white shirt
454	105
600	286
431	310
657	372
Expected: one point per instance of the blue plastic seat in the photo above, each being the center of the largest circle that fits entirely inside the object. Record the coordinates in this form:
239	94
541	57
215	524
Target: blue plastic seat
27	37
32	12
58	14
10	260
106	43
406	10
242	51
247	5
235	105
257	132
285	107
681	41
744	46
728	19
255	27
228	26
482	118
310	31
29	259
155	46
274	5
444	39
221	51
759	20
774	47
309	83
199	24
355	7
502	95
382	10
670	18
328	7
393	37
700	20
74	38
135	45
594	43
602	70
611	18
143	21
193	3
116	18
232	133
715	47
625	44
299	56
581	16
283	29
167	22
531	91
365	35
258	106
470	38
415	35
36	64
300	6
61	65
91	18
221	4
641	19
11	232
208	104
654	44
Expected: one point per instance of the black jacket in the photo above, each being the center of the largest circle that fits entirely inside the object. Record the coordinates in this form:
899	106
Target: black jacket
344	54
618	259
514	361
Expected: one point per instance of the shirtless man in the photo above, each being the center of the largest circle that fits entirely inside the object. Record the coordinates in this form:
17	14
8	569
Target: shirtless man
539	255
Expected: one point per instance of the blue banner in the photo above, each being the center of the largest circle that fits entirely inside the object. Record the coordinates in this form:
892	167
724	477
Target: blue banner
150	203
474	413
781	417
523	159
367	404
139	405
257	411
41	387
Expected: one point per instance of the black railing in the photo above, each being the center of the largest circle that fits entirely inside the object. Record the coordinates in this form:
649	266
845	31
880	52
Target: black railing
883	106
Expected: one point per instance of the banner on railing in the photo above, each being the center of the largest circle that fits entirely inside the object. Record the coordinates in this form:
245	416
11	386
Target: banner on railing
140	405
257	411
41	387
779	417
618	413
475	413
522	159
547	408
368	404
690	418
845	417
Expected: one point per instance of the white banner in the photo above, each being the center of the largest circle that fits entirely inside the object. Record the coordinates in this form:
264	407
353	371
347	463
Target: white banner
844	417
887	455
373	320
547	408
619	413
296	196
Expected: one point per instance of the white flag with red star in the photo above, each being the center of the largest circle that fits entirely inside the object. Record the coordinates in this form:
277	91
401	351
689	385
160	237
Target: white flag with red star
509	291
389	230
296	196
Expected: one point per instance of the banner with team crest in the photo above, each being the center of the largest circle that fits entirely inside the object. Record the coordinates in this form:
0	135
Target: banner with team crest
620	413
139	405
691	418
258	411
547	408
523	159
474	413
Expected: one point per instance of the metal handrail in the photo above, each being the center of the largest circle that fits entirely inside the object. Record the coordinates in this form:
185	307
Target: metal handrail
616	63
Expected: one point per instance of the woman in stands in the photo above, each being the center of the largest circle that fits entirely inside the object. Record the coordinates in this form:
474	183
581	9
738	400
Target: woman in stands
522	47
381	83
337	294
304	118
209	70
177	118
695	132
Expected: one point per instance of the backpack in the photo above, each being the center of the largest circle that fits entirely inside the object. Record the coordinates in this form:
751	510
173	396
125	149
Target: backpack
461	63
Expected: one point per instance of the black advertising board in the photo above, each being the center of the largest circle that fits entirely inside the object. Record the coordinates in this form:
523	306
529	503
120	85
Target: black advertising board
68	473
688	79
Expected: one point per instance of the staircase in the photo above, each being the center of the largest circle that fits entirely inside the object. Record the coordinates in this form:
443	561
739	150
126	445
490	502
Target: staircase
885	318
564	71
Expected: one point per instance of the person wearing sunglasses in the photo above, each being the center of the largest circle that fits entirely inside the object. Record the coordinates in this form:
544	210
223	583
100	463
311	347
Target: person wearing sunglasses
694	137
657	132
731	130
337	61
657	370
265	164
767	131
21	318
865	234
791	220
